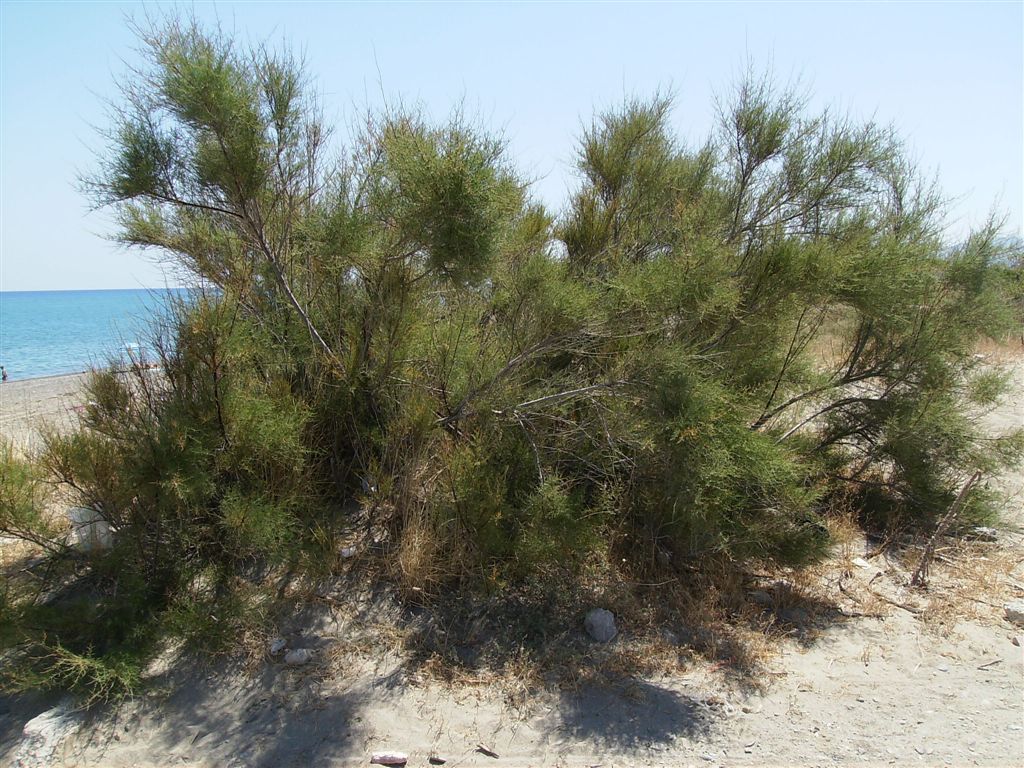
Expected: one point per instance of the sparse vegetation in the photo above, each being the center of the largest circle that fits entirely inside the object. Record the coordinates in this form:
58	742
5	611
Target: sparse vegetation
687	366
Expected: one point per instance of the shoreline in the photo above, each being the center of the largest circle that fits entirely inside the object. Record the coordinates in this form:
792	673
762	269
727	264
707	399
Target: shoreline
26	379
67	375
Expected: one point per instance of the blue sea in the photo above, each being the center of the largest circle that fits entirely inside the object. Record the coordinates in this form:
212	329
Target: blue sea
46	333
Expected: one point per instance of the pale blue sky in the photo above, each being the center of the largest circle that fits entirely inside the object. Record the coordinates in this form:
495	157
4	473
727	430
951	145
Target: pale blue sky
949	76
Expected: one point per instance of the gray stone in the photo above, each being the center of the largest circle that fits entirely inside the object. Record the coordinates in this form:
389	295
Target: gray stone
670	637
796	616
1015	612
984	533
277	645
760	597
298	656
43	735
600	625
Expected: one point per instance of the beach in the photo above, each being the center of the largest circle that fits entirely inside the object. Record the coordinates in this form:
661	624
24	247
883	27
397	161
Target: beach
28	406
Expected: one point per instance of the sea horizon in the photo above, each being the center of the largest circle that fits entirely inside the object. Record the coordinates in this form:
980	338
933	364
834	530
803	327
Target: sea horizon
58	332
95	290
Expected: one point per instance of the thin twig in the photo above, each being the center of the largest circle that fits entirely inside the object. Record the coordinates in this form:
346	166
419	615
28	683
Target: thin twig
569	394
897	603
920	577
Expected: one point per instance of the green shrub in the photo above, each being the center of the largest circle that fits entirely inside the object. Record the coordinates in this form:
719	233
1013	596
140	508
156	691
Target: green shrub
23	499
97	679
724	334
692	359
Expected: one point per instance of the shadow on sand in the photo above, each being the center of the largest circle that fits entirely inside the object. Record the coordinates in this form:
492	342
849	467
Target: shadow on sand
636	715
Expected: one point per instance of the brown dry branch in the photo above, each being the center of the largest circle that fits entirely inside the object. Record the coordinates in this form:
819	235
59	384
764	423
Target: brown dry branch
920	577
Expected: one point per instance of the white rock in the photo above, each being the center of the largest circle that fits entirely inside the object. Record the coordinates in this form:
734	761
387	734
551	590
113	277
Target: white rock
600	625
860	562
347	552
389	758
277	645
1015	612
298	656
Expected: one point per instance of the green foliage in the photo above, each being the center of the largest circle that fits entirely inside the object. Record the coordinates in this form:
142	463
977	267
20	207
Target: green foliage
445	194
207	461
557	526
1009	266
213	611
97	679
23	497
88	631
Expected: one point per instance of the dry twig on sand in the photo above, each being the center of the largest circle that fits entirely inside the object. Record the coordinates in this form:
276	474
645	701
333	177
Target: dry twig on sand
920	577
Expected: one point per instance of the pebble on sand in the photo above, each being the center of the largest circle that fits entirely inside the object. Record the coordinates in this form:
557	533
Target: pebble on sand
389	758
298	656
1015	612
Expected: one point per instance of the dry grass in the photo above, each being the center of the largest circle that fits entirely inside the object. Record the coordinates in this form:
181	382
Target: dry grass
15	553
703	618
732	622
418	564
971	580
1008	350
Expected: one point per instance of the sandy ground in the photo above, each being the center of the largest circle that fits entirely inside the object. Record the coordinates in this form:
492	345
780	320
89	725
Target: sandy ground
889	677
27	405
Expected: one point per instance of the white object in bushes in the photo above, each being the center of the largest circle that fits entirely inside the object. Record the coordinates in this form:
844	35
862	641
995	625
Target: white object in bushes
90	532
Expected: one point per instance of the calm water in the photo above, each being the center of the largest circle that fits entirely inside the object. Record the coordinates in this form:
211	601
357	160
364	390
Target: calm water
43	333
